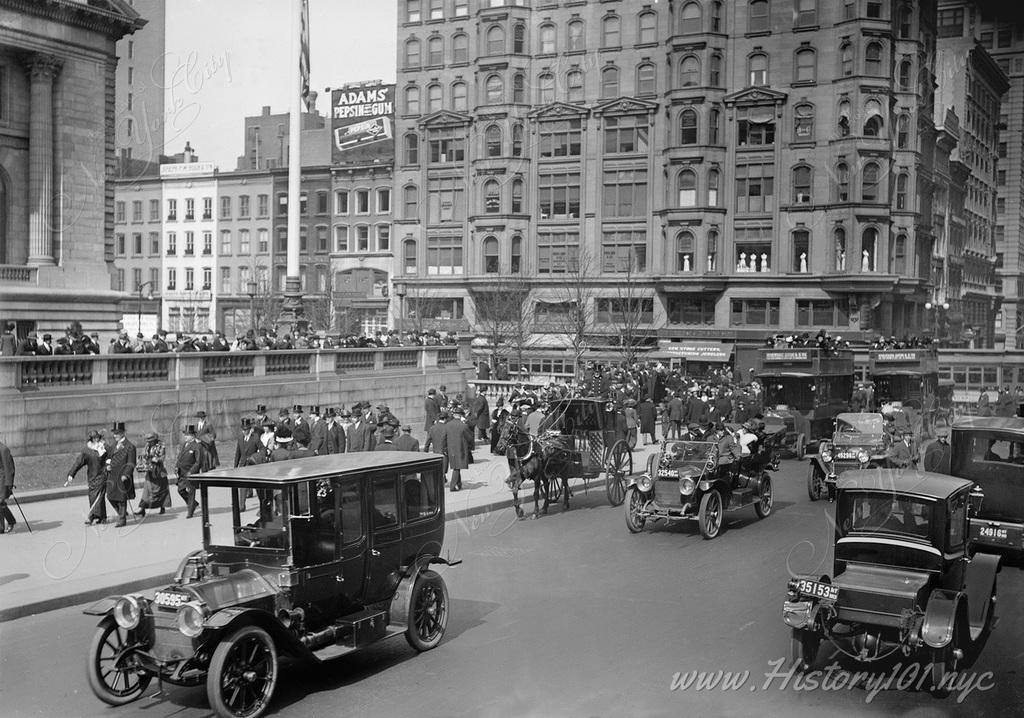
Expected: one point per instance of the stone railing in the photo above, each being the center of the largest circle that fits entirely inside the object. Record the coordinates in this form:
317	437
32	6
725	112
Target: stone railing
39	373
496	389
17	273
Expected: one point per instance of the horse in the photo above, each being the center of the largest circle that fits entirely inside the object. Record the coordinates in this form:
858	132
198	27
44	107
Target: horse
532	459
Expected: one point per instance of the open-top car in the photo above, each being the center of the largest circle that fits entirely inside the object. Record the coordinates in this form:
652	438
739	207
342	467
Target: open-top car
334	555
903	578
685	482
859	441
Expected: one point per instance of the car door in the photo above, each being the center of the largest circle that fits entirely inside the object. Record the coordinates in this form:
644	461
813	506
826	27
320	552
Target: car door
385	536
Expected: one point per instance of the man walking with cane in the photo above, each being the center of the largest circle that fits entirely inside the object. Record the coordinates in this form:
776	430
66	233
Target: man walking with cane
6	488
121	474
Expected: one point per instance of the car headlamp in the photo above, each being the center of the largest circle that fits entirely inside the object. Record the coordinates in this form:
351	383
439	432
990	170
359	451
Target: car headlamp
826	454
686	486
128	612
191	617
863	456
644	483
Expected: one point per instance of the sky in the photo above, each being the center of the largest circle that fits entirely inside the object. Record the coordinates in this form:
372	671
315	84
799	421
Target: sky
226	59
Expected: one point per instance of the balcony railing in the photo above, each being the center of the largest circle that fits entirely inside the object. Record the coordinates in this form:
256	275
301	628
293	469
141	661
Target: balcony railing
17	273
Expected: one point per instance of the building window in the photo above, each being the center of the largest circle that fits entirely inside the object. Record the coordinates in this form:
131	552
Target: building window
561	139
362	201
495	90
759	18
558	252
341	205
609	83
715	73
263	240
576	38
689	71
754	313
243	241
822	313
713	188
903	22
868	245
547	40
625	193
137	244
207	279
444	255
517	140
627	134
172	244
137	210
412	100
225	242
341	238
902	180
517	196
490	254
190	243
873	59
613	311
684	252
690	19
716	16
225	280
516	260
873	123
545	89
713	122
190	209
190	279
412	149
435	51
558	195
904	76
1004	38
806	65
412	52
839	241
842	182
801	251
624	251
225	208
383	200
412	11
460	47
409	257
518	40
574	86
263	205
874	9
688	127
844	119
154	210
154	244
903	132
496	40
846	59
322	239
647	28
687	188
869	183
282	240
712	260
446	201
806	13
898	260
758	63
120	247
755	188
803	123
362	238
756	125
459	98
433	98
243	206
646	79
802	184
611	32
410	202
492	197
172	279
691	311
446	149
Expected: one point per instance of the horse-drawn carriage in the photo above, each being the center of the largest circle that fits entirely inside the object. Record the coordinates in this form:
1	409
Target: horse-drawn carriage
578	438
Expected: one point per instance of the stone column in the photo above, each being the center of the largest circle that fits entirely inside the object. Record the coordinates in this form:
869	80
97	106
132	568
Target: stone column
41	71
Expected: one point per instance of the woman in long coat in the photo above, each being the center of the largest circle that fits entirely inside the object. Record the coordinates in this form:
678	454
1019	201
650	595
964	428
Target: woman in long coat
157	493
93	458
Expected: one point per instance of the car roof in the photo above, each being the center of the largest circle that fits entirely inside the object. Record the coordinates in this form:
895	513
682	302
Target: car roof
295	471
859	414
925	484
1002	423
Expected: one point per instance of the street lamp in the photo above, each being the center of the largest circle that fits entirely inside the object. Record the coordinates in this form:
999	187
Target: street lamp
142	286
251	287
400	293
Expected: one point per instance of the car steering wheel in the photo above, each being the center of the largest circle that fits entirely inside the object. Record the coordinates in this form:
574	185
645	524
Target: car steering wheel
249	534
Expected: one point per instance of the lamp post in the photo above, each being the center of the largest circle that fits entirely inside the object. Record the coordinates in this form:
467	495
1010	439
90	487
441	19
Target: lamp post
400	293
935	306
142	286
251	287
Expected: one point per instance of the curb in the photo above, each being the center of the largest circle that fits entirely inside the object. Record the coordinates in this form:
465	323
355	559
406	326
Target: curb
31	497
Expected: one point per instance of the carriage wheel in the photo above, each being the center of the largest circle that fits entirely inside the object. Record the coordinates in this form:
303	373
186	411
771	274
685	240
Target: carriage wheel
617	468
554	489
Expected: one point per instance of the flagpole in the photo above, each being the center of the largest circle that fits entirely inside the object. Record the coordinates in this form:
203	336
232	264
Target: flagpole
292	305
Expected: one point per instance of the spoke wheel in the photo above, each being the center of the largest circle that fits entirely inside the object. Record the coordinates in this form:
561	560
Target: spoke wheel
634	503
764	505
428	611
618	467
815	482
114	673
710	517
805	648
800	449
243	673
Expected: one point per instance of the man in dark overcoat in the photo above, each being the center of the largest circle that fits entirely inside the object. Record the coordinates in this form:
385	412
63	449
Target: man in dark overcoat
648	419
317	432
335	432
480	413
121	473
207	436
457	446
431	408
937	455
94	458
676	414
436	442
190	460
407	442
357	433
6	488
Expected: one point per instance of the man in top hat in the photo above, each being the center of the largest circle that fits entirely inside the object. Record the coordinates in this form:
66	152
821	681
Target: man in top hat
317	432
219	343
246	445
7	519
260	415
45	347
300	425
480	412
359	434
94	458
457	438
284	419
407	442
436	440
207	435
431	409
387	438
937	455
190	461
335	432
121	473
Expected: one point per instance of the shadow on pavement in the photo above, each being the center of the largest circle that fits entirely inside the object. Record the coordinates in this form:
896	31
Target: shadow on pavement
12	577
37	526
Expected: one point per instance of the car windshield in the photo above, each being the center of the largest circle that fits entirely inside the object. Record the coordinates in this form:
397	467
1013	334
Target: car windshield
261	525
875	512
690	453
850	424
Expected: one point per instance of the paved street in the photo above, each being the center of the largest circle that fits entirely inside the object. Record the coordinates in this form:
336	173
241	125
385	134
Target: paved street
567	616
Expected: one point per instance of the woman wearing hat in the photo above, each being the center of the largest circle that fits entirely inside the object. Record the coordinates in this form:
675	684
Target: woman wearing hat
155	494
93	457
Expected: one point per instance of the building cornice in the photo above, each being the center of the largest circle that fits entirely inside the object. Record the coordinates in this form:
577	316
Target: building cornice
115	20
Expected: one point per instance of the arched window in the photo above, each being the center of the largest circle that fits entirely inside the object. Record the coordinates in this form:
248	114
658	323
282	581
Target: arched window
806	65
846	59
801	243
868	245
516	263
844	119
409	256
869	183
646	79
716	16
904	76
903	132
518	40
517	140
519	88
433	98
412	100
492	141
839	248
842	182
460	47
688	127
689	71
435	51
713	121
412	149
687	188
801	184
547	39
712	262
803	122
873	124
490	255
460	103
492	197
495	90
412	52
903	22
758	14
713	188
715	74
902	181
576	39
758	63
684	251
517	196
410	202
611	32
496	40
546	89
647	27
873	59
574	85
898	255
690	19
610	82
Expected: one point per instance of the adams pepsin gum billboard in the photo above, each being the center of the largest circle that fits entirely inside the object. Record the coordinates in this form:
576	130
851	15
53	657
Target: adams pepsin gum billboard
362	124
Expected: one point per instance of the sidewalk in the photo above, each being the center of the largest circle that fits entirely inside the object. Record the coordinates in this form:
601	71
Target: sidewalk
63	562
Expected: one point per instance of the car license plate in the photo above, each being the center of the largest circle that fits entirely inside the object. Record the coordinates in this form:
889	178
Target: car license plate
817	589
997	533
170	599
846	455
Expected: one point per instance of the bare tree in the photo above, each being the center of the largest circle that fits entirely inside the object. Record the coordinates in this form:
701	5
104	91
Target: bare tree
627	311
319	307
503	315
575	318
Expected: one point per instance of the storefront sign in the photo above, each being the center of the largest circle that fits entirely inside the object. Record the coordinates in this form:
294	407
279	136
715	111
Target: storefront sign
362	124
699	351
898	356
771	356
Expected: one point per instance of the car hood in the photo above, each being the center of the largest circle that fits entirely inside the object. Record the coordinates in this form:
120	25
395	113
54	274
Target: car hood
867	441
219	592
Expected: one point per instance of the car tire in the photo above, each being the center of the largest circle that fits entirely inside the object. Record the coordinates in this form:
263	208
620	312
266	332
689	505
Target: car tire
428	611
804	645
816	488
800	447
108	641
763	507
245	659
711	514
634	502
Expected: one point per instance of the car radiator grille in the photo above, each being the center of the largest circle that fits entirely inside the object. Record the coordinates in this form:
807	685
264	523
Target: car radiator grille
666	493
169	643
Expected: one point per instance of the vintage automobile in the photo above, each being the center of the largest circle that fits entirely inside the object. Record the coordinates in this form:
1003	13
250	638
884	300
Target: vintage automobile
990	452
335	555
859	441
684	482
902	579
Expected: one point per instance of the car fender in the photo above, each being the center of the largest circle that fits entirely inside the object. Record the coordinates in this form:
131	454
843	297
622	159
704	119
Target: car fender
816	460
102	607
979	584
226	620
940	618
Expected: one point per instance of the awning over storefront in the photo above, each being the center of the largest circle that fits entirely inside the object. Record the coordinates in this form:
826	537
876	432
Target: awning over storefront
698	351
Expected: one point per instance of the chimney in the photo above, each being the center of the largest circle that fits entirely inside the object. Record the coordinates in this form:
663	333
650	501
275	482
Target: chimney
187	157
266	110
312	102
